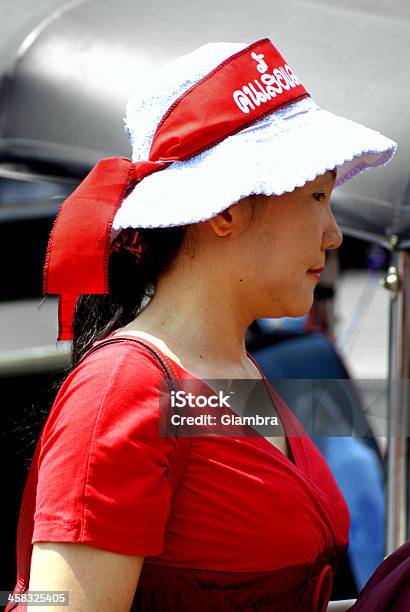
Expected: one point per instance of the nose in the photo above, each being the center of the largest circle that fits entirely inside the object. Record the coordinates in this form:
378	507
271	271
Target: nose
332	235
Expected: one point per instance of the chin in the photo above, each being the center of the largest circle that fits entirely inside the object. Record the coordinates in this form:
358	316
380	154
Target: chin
290	308
299	310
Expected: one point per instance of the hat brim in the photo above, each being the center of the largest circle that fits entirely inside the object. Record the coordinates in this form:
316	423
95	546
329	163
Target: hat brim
281	152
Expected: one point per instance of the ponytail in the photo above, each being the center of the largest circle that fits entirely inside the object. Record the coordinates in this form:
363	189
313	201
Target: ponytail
131	285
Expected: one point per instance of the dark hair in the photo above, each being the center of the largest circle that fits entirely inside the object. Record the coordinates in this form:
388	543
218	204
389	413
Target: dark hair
130	283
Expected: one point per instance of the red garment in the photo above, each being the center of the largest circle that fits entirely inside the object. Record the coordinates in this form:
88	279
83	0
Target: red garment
244	516
388	588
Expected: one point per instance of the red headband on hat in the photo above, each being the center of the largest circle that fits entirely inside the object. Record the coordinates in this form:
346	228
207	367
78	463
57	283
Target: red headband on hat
240	91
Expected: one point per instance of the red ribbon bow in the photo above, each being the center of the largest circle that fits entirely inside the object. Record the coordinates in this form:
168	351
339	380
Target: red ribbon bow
240	91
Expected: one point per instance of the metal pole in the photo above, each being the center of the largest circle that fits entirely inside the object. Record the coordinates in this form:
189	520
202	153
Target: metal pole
398	282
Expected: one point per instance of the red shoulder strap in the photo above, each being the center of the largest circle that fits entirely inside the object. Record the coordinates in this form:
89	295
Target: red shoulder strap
28	504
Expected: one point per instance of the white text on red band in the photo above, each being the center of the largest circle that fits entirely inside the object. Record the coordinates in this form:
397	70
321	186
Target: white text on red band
256	93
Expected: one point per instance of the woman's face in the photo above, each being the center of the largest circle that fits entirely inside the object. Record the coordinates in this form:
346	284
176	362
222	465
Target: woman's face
290	236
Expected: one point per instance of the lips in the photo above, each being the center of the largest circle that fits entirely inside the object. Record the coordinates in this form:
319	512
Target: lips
315	272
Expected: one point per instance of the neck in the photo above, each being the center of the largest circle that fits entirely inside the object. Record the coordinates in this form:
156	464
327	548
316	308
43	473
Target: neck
198	317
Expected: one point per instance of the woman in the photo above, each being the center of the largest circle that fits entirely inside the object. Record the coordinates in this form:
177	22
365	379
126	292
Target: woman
233	214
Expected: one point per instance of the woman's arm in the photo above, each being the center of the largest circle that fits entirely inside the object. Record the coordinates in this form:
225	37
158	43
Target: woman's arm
96	579
340	606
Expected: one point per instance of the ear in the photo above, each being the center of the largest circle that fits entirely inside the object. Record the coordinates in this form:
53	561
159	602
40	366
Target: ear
222	223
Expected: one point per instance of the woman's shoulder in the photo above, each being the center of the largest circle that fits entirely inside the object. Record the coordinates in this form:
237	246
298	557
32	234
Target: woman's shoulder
116	377
122	357
120	382
103	460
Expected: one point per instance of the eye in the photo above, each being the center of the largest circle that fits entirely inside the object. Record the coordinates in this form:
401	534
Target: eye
318	196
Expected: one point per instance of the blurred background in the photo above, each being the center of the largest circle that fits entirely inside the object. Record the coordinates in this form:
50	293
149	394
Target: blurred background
66	69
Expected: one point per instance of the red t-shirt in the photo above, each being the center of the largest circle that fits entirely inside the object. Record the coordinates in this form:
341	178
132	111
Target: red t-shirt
242	507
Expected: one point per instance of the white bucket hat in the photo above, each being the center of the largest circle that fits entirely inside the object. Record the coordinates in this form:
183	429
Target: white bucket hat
216	125
280	152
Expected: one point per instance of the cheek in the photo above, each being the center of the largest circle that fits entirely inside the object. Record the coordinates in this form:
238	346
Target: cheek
287	244
308	236
297	247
